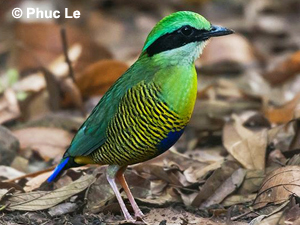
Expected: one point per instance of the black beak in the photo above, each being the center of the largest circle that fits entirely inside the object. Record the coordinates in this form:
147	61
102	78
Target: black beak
214	31
219	31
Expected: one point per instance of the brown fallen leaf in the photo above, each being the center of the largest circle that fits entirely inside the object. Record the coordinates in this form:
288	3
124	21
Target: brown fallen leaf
97	78
238	199
228	54
284	70
278	186
43	40
218	177
36	82
153	172
252	182
36	182
246	146
10	172
40	200
226	188
11	185
9	106
98	195
209	115
193	174
63	208
71	91
285	138
20	163
48	142
284	113
272	216
276	158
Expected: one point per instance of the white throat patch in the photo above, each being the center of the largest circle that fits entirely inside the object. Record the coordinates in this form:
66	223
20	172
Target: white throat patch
184	55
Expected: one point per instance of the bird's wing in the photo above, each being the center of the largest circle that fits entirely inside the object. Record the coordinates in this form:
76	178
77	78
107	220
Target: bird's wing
92	133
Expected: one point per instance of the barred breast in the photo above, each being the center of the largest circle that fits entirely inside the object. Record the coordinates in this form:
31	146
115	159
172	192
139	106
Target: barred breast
143	127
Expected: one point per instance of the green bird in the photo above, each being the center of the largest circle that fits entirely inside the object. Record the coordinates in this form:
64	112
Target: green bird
147	109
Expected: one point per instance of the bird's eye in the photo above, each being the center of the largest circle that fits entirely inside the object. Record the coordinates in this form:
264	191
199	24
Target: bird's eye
186	30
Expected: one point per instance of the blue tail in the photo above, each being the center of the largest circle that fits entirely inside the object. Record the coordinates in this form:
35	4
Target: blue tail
58	169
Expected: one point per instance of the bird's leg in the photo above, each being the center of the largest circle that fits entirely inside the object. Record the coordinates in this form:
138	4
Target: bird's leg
120	177
111	173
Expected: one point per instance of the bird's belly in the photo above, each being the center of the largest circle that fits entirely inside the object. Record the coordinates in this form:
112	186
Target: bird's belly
143	127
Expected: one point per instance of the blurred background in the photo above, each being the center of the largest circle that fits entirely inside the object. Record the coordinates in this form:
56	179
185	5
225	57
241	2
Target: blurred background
251	77
108	37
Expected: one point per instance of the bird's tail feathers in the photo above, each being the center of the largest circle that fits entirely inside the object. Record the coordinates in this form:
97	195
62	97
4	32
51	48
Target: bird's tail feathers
59	169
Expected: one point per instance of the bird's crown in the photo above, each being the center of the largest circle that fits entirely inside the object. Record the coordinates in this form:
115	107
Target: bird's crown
174	22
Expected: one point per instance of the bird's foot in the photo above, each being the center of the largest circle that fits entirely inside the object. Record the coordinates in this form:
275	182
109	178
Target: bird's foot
139	215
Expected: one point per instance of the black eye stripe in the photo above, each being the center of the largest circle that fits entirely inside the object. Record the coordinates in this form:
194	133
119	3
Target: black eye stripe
176	39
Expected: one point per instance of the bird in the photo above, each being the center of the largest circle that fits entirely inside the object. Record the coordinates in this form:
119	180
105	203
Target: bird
148	108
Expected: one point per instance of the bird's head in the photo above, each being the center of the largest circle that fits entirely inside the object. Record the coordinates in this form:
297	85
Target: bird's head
181	37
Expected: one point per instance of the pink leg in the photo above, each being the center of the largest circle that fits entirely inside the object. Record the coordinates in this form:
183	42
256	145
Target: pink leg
120	177
111	175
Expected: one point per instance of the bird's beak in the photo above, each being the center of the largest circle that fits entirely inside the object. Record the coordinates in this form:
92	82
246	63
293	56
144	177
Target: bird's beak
219	31
214	31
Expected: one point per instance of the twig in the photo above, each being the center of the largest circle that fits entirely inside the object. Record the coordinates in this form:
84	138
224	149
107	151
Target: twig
65	49
242	215
34	174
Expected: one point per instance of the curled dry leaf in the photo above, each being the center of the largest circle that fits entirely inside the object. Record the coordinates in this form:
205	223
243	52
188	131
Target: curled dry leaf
36	181
246	146
278	186
48	142
40	200
284	70
284	113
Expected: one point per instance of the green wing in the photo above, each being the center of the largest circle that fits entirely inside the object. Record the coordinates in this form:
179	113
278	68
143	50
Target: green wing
92	133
